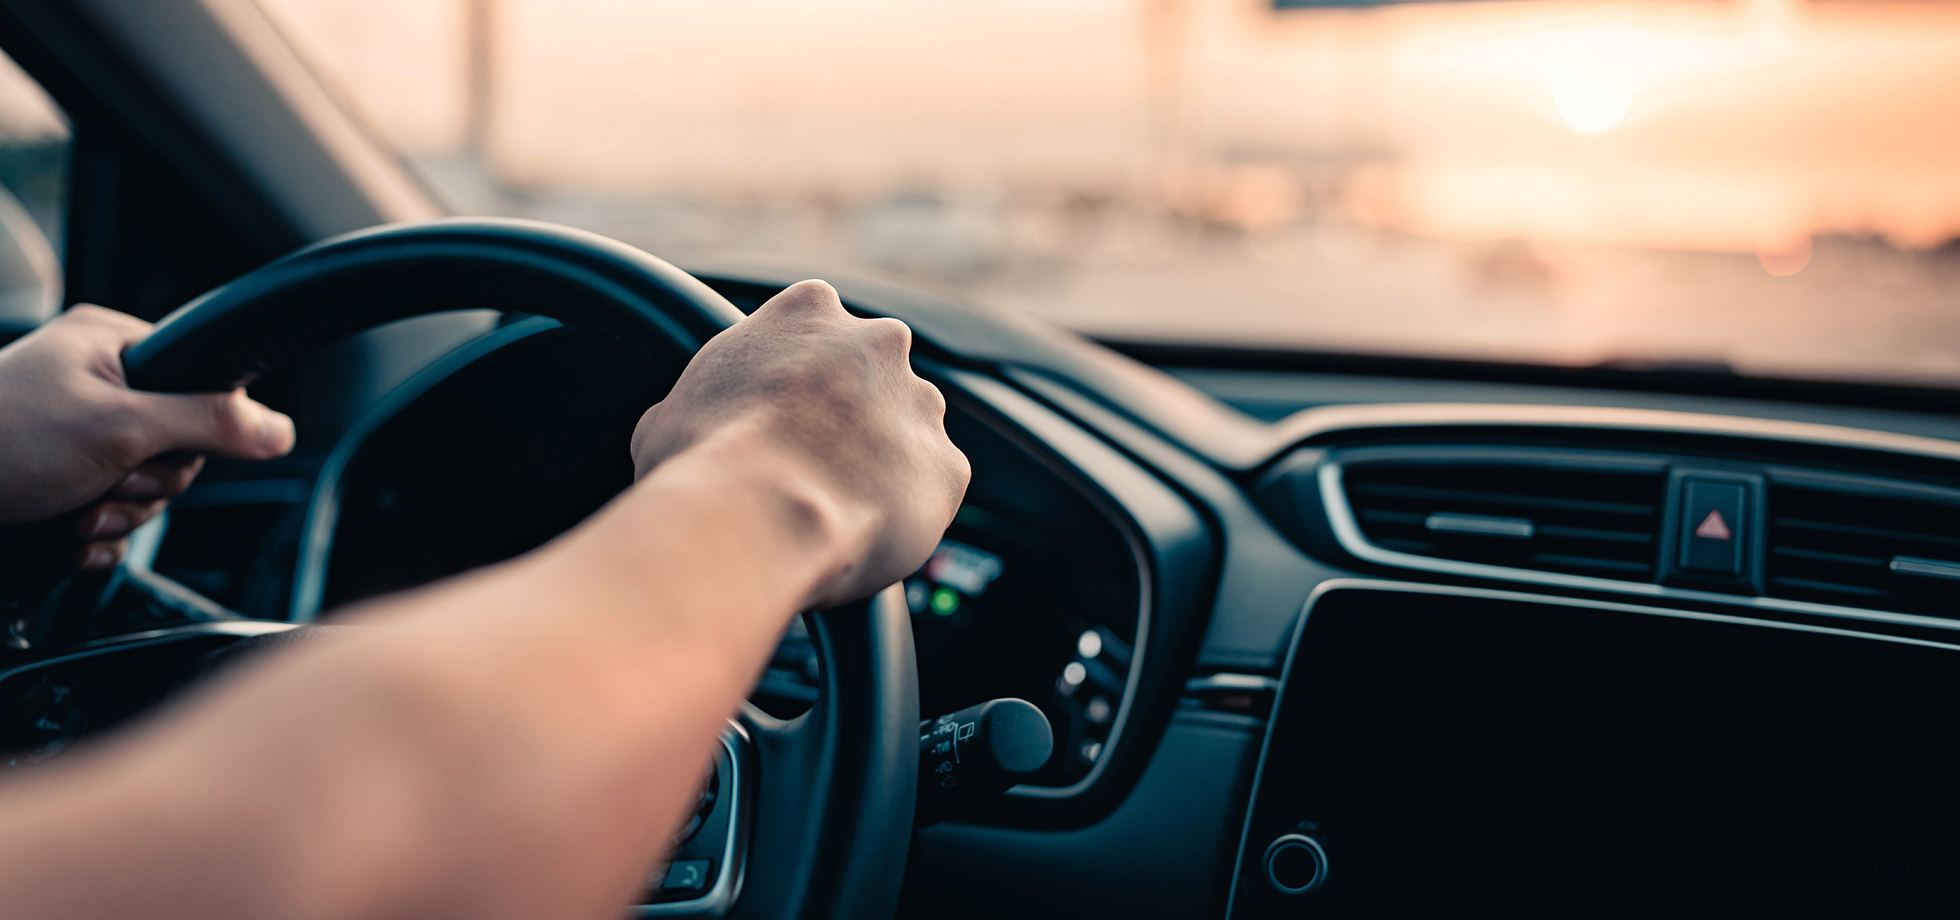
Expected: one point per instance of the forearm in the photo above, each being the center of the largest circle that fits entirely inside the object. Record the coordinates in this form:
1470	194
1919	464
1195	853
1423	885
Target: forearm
533	731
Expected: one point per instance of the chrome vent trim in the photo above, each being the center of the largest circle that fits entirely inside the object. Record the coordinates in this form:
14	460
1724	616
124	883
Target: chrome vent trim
1347	532
1870	543
1480	525
1926	568
1576	513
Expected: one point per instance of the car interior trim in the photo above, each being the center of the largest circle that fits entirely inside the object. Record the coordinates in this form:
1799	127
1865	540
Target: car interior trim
1347	531
240	629
1261	573
1228	682
1925	568
1321	421
978	389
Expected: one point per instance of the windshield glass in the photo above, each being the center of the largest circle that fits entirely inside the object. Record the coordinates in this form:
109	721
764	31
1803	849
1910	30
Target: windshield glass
1769	185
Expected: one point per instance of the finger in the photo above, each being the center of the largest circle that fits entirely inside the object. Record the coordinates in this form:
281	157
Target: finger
102	556
113	520
165	477
226	424
128	329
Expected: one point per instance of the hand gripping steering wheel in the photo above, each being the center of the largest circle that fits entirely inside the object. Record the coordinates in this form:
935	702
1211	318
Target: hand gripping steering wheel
834	788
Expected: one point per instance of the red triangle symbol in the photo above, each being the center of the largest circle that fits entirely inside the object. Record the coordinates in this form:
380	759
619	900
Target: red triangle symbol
1713	527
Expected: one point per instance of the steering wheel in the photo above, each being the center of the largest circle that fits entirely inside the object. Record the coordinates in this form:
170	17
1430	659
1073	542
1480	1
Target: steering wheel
834	789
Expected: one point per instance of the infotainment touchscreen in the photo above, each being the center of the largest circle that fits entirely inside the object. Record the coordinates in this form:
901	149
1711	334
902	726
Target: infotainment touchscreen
1454	756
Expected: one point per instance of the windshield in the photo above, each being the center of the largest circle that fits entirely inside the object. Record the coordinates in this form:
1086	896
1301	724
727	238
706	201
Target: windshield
1769	185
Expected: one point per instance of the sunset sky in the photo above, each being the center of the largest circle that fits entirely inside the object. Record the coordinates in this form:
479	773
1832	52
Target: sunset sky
1763	184
1695	124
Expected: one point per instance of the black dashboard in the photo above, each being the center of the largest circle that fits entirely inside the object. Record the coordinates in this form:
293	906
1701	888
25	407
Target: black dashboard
1360	645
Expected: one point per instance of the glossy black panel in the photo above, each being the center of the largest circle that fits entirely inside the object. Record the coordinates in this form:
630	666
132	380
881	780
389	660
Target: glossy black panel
1493	755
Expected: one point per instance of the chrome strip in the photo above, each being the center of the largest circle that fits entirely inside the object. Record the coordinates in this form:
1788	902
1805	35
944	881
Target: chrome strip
1231	683
1927	568
1340	517
717	900
1308	424
1320	864
1481	525
240	628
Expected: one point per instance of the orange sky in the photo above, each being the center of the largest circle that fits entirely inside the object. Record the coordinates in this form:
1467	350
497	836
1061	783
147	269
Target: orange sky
1692	124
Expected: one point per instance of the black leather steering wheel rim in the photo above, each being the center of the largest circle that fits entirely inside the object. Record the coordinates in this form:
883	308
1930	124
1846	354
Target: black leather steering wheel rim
837	785
232	334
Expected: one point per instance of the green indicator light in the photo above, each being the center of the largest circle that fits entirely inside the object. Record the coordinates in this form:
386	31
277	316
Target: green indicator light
945	601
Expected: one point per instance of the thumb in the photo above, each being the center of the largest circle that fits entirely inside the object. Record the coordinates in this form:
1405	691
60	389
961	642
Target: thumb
225	424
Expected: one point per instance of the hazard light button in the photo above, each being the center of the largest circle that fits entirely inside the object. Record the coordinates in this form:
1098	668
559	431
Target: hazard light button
1714	519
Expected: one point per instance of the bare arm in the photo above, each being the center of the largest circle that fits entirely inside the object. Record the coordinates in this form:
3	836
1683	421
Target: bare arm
520	741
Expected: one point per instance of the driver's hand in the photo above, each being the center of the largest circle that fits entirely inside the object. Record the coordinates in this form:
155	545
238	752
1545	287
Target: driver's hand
833	395
72	432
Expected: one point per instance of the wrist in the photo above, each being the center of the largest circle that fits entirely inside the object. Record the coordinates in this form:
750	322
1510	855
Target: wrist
736	503
807	513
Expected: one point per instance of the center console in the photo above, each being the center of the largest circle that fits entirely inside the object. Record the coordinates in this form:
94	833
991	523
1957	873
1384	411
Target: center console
1441	751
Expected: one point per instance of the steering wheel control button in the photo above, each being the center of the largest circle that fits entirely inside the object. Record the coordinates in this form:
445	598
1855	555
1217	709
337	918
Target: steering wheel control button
1713	521
686	877
1295	864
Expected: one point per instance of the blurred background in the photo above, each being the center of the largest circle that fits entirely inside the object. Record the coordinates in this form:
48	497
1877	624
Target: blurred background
1767	185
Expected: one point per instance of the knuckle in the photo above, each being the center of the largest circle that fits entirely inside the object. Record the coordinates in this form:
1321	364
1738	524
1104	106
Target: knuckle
227	416
889	335
934	400
645	435
961	469
813	295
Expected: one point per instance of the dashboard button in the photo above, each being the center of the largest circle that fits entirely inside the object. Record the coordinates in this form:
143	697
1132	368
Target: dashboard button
686	876
1295	864
1713	518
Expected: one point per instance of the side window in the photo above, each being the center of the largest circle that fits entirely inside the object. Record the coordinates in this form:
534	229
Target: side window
34	141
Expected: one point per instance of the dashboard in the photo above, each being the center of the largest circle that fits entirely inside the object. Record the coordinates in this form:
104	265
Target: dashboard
1317	644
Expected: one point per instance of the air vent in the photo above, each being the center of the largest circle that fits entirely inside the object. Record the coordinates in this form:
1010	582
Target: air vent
1569	519
1865	548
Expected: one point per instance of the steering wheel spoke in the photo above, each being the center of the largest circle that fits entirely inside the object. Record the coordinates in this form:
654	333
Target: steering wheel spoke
840	781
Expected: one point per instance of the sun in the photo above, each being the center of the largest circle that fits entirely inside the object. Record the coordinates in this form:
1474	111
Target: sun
1589	105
